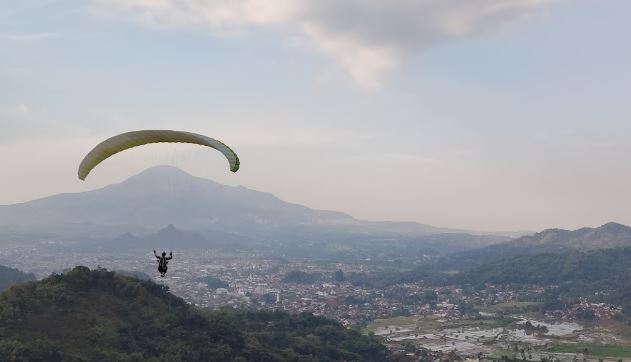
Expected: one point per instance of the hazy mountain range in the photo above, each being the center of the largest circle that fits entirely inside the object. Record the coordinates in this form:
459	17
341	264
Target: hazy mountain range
166	195
598	255
610	235
138	211
557	241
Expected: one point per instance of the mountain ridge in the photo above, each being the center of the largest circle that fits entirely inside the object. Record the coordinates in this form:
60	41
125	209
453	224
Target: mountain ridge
609	235
165	195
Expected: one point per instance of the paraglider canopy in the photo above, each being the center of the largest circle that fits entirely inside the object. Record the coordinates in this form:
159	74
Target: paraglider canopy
125	141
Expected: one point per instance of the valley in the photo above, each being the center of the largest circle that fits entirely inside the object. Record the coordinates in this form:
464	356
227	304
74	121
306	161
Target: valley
426	293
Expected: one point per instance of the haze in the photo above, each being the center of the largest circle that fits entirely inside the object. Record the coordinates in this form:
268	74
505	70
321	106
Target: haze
484	115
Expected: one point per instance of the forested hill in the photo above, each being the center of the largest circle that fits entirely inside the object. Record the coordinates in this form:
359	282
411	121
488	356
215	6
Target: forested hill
576	273
610	235
10	276
580	272
98	315
603	267
550	241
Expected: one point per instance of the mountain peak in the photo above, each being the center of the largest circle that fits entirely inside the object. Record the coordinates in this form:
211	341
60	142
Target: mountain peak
163	172
170	227
614	227
166	195
163	169
606	236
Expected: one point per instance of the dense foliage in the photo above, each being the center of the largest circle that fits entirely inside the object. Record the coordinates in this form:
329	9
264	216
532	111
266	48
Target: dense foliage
98	315
10	276
133	274
213	282
609	266
604	273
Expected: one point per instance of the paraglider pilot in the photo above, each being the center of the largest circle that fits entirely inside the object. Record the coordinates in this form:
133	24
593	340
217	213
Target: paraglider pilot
163	261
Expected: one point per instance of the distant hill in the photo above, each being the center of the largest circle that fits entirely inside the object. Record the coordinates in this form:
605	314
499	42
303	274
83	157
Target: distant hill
551	256
342	246
602	266
10	276
97	315
599	255
166	195
207	214
605	273
166	238
611	235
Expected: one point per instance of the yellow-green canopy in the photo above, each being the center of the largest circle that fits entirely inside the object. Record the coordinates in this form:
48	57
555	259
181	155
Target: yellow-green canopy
128	140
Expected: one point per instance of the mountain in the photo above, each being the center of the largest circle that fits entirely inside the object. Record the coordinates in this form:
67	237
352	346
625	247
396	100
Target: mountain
163	239
96	315
547	245
10	276
611	235
166	195
167	238
550	256
608	236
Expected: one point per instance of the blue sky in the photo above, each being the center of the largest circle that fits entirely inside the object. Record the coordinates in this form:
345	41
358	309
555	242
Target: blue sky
485	114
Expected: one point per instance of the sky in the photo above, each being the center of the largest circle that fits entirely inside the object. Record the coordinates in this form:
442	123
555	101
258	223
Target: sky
494	115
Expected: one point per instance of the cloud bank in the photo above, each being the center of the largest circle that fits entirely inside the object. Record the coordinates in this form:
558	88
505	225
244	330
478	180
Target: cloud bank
366	37
369	37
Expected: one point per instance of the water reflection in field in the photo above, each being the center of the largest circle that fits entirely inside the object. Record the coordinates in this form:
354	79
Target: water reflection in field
471	337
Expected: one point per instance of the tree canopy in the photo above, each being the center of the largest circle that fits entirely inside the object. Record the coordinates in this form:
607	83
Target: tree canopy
97	315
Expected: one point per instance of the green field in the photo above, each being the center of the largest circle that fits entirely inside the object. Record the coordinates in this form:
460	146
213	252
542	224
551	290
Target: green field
509	307
432	325
598	350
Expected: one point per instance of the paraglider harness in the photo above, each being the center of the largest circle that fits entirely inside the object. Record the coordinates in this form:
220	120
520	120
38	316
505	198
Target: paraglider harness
162	262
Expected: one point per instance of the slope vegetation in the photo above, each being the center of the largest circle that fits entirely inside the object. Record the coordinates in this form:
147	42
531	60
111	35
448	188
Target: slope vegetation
10	276
98	315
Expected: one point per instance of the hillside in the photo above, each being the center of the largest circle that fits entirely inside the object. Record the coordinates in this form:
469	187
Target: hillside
608	236
567	276
602	268
611	235
550	257
97	315
10	276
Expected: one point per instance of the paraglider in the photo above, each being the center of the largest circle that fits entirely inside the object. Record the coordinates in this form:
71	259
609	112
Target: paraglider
125	141
128	140
163	261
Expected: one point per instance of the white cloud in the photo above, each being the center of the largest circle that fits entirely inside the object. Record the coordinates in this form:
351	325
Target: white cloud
366	37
